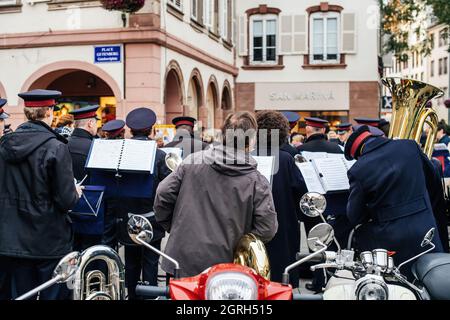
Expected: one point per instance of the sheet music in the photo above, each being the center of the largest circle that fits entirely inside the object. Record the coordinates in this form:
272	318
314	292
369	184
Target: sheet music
348	164
105	154
313	155
138	155
311	178
177	151
265	166
332	173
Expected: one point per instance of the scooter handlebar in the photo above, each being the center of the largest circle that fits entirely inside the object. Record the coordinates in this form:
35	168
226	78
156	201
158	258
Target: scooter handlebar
317	259
152	291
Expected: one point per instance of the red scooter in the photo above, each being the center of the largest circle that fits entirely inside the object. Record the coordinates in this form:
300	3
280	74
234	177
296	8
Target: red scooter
227	281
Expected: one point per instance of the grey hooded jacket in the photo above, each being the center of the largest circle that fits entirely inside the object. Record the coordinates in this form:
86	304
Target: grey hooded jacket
212	199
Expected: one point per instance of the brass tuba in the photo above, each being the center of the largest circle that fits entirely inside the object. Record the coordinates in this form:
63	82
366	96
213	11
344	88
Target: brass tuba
95	285
409	111
252	253
173	160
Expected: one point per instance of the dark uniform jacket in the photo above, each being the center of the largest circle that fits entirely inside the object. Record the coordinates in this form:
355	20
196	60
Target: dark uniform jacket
79	145
319	143
287	188
188	143
143	205
286	147
389	197
36	191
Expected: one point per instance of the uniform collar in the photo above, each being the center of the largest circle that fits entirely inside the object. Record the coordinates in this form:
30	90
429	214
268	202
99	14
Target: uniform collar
81	133
373	144
316	136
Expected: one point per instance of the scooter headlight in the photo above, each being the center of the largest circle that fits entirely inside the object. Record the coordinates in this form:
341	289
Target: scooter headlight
231	286
372	288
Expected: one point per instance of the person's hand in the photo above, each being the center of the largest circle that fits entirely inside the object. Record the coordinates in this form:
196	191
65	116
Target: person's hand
79	190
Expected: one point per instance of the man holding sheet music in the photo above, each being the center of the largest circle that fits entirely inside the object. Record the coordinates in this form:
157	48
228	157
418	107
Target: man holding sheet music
79	145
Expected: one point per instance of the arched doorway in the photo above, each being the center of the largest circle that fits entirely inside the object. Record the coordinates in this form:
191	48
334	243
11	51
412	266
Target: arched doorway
194	101
226	102
81	84
173	92
213	114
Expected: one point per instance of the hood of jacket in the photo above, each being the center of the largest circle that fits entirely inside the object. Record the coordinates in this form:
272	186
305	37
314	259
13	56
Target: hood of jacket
230	161
16	146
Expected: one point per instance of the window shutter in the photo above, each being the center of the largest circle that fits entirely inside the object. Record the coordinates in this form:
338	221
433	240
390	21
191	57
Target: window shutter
229	17
200	9
300	34
348	33
286	41
243	47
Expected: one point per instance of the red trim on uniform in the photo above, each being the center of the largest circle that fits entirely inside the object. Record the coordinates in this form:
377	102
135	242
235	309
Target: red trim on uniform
358	142
42	103
1	111
88	115
186	122
372	124
115	133
315	124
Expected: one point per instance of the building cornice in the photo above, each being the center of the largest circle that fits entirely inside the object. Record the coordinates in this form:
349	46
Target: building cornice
113	36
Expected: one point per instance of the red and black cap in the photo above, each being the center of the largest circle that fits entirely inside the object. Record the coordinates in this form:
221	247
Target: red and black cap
85	113
187	121
368	121
343	128
141	119
355	141
39	98
3	114
316	122
114	127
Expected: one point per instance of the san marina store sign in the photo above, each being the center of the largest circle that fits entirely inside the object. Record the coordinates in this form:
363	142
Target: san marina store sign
302	96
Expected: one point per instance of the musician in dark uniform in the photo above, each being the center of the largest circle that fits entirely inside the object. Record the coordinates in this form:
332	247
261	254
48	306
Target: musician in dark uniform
185	138
37	189
292	118
138	259
3	117
79	145
316	140
344	130
287	188
389	196
114	129
384	126
373	122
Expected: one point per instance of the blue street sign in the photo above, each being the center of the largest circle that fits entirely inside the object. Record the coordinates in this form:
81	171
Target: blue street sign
104	54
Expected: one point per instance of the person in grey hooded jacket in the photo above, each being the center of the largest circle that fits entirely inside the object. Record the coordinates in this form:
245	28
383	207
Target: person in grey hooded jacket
212	199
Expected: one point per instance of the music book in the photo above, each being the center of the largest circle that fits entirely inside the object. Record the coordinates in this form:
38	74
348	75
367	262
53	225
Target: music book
265	166
325	175
127	155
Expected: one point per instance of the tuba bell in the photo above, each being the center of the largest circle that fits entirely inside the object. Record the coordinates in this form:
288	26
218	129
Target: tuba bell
409	111
251	252
95	285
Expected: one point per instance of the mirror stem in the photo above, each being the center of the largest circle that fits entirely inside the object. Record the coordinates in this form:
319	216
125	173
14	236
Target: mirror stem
418	256
285	276
177	265
43	286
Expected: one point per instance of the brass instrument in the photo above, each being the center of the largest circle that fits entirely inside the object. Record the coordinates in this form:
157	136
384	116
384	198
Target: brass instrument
409	111
252	253
94	285
173	160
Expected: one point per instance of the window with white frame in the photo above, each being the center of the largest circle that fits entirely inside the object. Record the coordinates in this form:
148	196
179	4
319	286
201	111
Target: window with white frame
208	7
223	19
194	9
324	35
263	41
177	4
7	2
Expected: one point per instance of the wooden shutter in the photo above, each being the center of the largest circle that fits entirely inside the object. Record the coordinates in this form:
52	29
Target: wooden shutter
293	34
348	38
286	41
243	36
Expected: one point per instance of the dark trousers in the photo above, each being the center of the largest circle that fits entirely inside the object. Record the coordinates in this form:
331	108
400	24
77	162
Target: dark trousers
27	274
5	278
140	260
83	241
109	237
